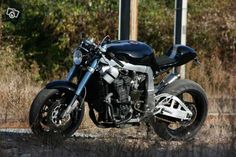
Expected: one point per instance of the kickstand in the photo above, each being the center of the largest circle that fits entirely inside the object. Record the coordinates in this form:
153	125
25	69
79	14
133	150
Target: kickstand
148	135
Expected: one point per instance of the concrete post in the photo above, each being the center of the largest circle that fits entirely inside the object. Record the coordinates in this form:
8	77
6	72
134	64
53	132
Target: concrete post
180	28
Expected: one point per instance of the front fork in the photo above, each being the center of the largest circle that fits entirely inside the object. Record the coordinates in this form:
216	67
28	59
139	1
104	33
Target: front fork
73	104
71	73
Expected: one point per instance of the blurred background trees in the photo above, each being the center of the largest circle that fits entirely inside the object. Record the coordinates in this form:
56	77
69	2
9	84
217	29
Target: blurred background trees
46	32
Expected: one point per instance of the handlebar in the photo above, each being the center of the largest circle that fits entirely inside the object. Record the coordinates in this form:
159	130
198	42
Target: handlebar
91	46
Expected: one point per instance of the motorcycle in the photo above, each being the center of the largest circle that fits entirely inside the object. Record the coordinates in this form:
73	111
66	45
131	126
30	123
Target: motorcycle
116	79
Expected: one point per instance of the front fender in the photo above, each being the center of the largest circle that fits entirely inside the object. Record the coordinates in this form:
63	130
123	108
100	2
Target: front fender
62	84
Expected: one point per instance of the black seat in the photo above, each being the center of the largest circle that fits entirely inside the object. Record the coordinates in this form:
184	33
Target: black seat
164	60
177	55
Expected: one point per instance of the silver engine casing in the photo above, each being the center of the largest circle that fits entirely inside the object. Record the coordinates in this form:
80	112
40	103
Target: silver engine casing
109	73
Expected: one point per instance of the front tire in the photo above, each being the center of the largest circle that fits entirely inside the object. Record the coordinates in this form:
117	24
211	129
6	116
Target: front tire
42	115
179	88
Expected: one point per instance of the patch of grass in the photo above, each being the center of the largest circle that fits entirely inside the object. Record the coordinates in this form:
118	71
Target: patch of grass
16	88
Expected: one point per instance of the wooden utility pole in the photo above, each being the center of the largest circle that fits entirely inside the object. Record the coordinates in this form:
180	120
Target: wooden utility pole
180	28
128	23
133	20
128	20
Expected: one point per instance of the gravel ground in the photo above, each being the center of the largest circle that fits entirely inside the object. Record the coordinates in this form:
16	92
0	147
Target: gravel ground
26	145
216	139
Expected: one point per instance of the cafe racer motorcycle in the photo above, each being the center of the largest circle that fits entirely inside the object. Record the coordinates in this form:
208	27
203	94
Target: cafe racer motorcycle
116	79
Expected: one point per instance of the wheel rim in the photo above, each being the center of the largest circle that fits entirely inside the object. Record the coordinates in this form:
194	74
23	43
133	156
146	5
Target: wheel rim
196	106
48	126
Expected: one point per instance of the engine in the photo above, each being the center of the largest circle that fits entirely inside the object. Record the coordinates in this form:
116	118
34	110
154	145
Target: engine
127	90
121	99
115	97
121	87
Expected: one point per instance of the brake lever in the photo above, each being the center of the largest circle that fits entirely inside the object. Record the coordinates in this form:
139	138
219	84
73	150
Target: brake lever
83	49
105	39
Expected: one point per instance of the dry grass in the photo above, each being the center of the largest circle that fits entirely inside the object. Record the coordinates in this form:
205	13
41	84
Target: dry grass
16	89
217	81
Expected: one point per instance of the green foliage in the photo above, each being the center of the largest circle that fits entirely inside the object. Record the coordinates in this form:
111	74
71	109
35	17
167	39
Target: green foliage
156	21
47	31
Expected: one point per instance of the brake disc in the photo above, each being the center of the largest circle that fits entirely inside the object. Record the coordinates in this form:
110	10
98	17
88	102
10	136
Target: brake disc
54	119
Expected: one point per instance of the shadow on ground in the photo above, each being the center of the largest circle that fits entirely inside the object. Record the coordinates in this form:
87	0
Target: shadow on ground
217	138
26	145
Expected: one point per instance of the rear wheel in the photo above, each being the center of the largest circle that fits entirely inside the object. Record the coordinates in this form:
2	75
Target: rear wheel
45	112
193	96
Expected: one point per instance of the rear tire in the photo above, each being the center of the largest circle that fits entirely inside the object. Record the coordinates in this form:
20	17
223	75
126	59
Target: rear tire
178	88
39	119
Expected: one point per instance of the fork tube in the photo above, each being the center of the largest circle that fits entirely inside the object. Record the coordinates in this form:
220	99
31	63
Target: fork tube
86	77
71	73
73	104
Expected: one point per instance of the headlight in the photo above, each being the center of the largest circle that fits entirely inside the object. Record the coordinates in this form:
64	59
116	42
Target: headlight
77	57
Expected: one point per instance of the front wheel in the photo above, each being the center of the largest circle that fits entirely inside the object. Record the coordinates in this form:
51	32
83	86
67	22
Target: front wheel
45	112
195	99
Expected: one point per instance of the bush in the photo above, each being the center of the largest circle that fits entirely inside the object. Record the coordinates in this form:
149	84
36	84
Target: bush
47	31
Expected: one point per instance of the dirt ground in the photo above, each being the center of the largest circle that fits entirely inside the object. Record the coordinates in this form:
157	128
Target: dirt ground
216	139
